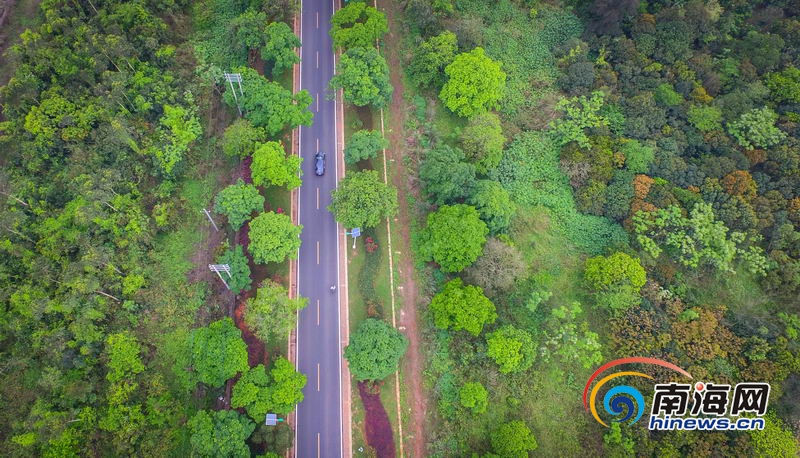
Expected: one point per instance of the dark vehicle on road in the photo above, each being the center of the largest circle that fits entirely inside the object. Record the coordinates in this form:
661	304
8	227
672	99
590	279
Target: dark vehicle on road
319	163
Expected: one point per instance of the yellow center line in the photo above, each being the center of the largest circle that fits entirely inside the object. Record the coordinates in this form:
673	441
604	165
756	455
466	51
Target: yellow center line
317	198
317	376
317	252
317	312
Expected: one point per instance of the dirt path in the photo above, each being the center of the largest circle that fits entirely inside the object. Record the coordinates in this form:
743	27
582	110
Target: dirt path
407	288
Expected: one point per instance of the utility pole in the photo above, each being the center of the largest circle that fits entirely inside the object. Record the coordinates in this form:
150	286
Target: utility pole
235	78
208	214
221	268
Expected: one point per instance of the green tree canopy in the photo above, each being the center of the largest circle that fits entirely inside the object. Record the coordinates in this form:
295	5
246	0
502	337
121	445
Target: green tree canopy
240	138
277	392
446	177
494	204
756	129
580	113
705	117
697	240
279	47
785	85
619	269
287	389
273	238
213	354
238	201
221	433
363	200
252	391
513	349
363	75
453	237
462	307
474	396
271	166
665	94
482	141
375	350
430	59
364	144
513	440
775	440
269	105
357	26
616	279
124	357
475	83
271	314
240	269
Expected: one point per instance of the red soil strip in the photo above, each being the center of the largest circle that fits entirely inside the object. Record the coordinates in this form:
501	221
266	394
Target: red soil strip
256	351
377	426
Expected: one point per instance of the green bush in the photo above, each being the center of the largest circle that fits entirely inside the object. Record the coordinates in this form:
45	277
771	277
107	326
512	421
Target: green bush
530	172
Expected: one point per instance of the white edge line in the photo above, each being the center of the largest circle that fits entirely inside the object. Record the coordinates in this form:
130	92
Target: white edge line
338	259
297	272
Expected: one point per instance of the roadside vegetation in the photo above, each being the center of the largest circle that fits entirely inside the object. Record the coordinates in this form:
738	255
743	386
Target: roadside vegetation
116	338
592	170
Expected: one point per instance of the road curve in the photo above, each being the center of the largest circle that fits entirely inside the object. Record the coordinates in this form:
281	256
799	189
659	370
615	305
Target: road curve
319	416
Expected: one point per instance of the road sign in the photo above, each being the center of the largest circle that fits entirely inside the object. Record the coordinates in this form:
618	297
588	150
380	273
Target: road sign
272	419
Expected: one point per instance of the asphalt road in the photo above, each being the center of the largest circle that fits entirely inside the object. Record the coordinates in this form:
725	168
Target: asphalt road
319	416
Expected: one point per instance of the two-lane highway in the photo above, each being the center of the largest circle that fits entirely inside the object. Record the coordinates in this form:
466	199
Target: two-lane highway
319	416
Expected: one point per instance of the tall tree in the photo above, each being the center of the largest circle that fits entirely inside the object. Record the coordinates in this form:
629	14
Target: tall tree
238	201
357	26
446	177
240	138
272	167
453	237
494	204
212	354
482	141
430	59
475	83
279	47
375	350
513	439
220	433
363	75
616	279
271	314
474	396
511	348
273	238
497	268
363	200
462	307
269	105
364	144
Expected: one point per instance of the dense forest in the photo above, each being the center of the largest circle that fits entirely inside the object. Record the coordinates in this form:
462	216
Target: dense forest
597	180
115	338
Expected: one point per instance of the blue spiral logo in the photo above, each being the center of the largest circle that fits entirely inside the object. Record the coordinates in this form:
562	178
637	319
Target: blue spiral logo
624	399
